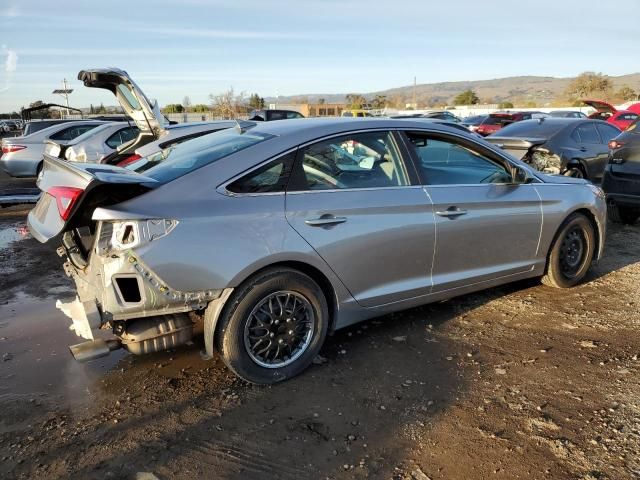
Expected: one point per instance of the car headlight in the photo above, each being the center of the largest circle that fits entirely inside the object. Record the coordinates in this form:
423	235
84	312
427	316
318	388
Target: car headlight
597	191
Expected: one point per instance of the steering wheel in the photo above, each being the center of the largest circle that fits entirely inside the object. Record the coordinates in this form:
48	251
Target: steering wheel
322	177
493	177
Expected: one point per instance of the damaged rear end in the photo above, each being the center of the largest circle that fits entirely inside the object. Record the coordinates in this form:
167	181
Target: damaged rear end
116	291
531	151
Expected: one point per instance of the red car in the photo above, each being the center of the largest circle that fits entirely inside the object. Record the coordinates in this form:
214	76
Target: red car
493	123
607	112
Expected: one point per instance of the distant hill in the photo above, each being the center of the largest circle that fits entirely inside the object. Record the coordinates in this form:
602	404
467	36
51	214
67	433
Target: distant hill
541	90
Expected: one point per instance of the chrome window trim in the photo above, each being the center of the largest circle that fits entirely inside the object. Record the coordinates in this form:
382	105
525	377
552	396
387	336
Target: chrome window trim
365	189
222	188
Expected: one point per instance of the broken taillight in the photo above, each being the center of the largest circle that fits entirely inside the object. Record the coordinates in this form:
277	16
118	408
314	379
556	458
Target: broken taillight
129	160
8	148
66	198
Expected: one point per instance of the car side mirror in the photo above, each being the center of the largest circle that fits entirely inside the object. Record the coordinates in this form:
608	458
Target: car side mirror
521	176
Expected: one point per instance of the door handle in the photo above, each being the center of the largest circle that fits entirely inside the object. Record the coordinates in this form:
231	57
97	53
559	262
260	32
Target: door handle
451	212
583	149
325	220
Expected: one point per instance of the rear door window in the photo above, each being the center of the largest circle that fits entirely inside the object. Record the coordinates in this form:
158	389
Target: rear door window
586	133
72	132
275	115
607	132
122	136
358	160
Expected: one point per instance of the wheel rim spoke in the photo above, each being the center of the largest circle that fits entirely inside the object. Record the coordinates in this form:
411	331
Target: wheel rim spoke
279	329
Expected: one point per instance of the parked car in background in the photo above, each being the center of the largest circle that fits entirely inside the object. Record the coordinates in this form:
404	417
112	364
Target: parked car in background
175	136
95	144
473	122
22	156
269	115
454	125
10	125
356	113
608	113
567	114
493	123
33	126
442	115
621	179
144	113
268	235
566	146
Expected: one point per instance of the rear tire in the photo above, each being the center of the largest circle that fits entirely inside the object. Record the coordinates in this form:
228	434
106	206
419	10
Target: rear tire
571	253
625	215
281	310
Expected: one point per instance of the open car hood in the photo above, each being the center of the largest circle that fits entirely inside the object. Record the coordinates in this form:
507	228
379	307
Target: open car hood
600	106
145	114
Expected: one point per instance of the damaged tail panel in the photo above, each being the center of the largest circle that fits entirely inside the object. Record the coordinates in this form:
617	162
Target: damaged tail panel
115	290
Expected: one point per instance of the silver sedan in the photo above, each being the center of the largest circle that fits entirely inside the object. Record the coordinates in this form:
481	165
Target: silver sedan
276	235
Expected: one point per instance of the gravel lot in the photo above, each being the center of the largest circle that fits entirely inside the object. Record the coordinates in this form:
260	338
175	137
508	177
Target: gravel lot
522	381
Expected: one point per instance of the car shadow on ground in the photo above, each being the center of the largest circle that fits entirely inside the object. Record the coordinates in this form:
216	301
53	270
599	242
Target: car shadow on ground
620	251
356	412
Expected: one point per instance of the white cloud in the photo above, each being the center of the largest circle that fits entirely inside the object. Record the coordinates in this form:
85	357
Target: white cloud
11	63
10	12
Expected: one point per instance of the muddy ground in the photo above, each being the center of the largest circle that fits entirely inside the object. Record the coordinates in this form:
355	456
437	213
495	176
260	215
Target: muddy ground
522	381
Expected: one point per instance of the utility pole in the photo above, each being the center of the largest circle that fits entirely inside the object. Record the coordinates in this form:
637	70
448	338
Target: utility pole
64	91
415	105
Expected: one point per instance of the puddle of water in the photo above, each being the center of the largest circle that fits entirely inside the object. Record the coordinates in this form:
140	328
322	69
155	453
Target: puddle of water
35	336
13	233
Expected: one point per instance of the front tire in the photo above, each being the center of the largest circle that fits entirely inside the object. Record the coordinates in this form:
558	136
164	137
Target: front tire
575	172
571	253
625	215
273	326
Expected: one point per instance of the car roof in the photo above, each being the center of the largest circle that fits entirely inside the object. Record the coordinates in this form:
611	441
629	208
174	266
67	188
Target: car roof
306	129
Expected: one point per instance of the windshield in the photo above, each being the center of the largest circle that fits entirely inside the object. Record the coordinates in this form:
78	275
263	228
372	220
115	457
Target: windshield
532	128
178	160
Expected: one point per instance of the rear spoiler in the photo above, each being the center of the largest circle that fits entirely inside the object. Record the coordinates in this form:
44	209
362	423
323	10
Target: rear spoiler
515	143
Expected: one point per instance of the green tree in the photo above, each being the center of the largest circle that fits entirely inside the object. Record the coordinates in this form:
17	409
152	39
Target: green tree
627	93
379	101
589	83
468	97
503	105
256	101
174	108
355	101
200	108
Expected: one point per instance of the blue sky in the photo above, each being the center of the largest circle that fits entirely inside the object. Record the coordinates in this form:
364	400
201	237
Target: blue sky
174	48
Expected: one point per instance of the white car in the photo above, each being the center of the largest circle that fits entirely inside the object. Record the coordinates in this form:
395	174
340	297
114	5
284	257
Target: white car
22	156
94	145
